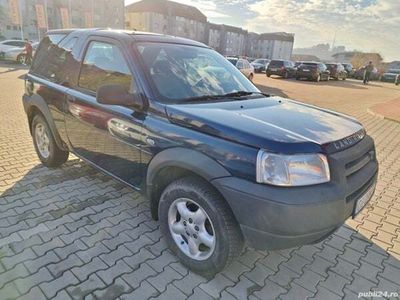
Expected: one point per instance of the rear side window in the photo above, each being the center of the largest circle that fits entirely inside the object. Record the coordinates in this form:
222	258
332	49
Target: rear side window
104	64
50	59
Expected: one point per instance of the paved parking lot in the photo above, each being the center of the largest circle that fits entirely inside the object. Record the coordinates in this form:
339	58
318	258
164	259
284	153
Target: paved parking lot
75	233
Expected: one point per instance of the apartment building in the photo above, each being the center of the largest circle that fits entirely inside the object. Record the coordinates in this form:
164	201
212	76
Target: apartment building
167	17
35	17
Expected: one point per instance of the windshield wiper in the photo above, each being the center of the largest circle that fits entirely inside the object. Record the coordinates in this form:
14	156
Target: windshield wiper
223	96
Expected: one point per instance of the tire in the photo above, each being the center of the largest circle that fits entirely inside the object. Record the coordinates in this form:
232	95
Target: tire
21	59
198	195
251	77
268	75
297	78
45	145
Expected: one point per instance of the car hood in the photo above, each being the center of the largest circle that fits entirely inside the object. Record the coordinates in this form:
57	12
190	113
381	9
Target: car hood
270	123
257	65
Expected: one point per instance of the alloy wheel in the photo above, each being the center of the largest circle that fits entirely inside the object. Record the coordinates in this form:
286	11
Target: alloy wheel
42	140
191	228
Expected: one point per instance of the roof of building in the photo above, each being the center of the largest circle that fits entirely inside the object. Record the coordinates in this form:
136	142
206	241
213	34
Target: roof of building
227	28
278	36
166	7
305	57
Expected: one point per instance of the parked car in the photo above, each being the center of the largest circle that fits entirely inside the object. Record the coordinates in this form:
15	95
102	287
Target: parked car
298	63
9	44
390	75
349	69
337	71
359	74
280	67
243	65
260	64
219	162
311	70
17	54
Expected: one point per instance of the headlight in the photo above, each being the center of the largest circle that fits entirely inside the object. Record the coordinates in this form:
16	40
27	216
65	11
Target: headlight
292	170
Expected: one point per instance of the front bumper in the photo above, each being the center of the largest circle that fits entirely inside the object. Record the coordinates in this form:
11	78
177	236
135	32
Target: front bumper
274	217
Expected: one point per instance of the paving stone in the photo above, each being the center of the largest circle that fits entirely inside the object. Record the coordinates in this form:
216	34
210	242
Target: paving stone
258	274
160	262
144	291
113	290
113	272
271	290
57	269
309	280
26	283
135	278
83	272
273	260
243	288
9	291
34	294
84	288
161	280
171	293
34	265
199	294
215	286
64	252
325	294
18	272
335	283
50	289
297	292
234	270
189	282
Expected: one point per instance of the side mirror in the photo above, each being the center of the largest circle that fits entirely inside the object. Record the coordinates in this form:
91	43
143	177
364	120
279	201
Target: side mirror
115	94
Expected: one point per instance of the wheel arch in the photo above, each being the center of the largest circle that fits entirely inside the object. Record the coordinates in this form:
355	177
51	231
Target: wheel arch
174	163
36	105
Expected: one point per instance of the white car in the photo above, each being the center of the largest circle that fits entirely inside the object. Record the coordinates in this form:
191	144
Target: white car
9	44
16	54
243	65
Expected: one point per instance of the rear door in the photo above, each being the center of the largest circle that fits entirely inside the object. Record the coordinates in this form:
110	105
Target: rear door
109	136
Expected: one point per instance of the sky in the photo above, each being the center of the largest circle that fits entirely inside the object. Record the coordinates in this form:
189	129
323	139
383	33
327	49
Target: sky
365	25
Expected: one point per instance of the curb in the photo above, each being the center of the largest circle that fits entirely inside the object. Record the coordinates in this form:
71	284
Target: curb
382	117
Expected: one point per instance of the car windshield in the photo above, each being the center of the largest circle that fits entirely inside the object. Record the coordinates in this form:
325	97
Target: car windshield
183	72
309	64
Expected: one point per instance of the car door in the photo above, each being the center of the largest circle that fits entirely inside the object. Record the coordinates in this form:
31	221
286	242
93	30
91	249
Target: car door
108	136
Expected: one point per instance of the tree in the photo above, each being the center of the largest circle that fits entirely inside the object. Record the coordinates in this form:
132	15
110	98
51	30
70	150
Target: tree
361	59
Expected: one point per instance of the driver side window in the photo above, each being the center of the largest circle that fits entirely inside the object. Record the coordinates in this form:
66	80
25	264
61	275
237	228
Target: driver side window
104	64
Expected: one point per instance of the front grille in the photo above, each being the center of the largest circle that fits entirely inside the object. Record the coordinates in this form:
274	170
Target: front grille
358	163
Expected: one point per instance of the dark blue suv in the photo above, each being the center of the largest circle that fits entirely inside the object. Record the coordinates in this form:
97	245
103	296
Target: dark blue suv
220	162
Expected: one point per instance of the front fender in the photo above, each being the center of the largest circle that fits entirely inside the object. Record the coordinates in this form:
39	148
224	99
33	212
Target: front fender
186	159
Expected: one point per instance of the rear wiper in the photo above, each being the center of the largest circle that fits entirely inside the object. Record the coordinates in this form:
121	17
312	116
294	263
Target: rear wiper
233	94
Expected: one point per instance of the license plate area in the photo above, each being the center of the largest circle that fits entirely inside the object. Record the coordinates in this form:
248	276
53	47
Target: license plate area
363	200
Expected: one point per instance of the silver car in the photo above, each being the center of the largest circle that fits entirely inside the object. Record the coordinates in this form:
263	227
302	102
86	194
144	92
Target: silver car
244	66
17	54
